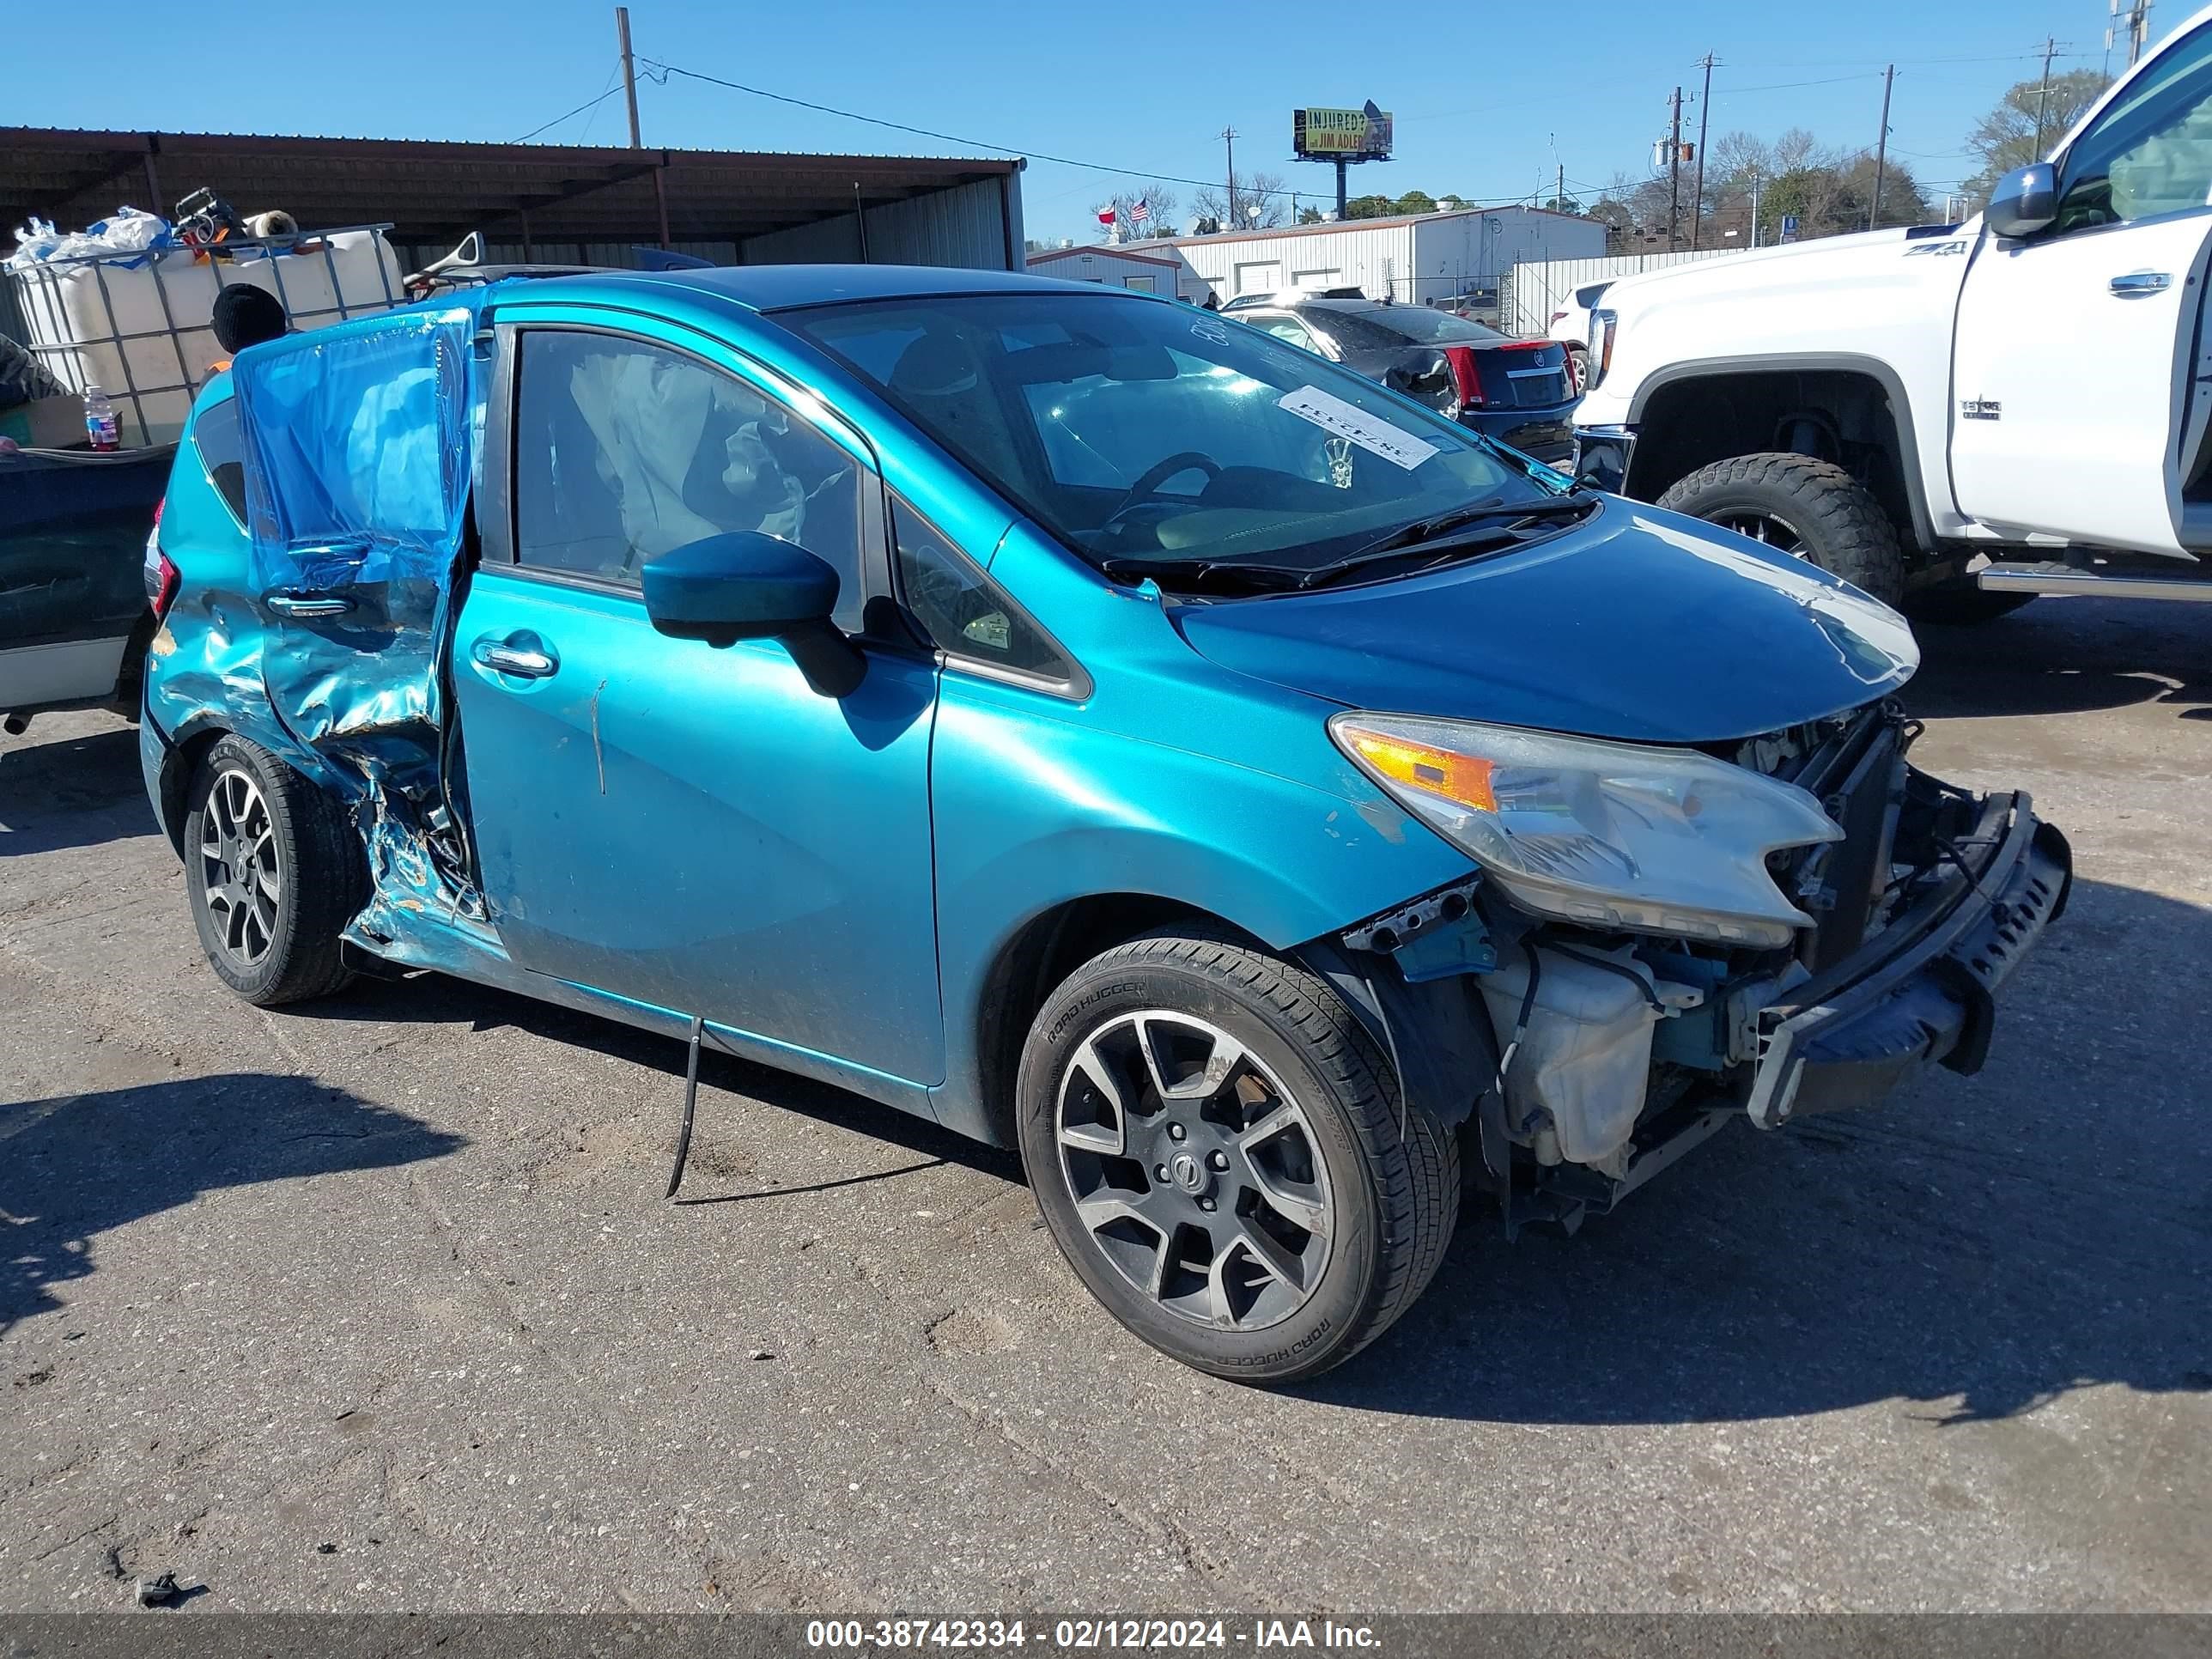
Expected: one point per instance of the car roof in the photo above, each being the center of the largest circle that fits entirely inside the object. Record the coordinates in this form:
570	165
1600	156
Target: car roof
777	288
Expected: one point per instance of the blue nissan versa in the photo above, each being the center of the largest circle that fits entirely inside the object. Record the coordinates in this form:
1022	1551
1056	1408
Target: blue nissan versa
1100	727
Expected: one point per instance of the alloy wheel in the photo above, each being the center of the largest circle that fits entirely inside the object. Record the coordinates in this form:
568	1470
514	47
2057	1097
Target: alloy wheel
1195	1174
240	869
1778	533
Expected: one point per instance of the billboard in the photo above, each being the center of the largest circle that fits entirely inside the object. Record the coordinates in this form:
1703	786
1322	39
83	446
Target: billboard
1356	135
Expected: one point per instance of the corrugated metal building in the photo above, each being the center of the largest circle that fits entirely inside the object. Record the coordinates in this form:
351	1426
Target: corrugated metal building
1414	259
1120	266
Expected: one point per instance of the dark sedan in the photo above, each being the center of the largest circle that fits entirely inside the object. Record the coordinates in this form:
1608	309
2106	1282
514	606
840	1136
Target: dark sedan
1518	392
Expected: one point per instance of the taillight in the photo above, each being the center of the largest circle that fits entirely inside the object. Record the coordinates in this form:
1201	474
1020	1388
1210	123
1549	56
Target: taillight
162	577
1467	378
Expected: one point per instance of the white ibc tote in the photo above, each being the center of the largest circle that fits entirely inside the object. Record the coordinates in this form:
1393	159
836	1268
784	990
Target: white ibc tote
137	326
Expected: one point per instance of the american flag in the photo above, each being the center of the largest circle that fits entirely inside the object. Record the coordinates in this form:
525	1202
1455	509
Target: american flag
1142	211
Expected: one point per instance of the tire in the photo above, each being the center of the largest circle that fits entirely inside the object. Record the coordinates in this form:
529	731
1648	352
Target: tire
1244	1039
252	824
1813	509
1960	605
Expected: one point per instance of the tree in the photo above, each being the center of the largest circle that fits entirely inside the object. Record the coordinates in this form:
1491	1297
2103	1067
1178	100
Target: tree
1414	200
1266	192
1370	207
1310	216
2005	139
1159	218
1563	204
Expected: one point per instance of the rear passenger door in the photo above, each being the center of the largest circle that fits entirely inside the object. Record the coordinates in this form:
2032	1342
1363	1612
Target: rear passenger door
683	825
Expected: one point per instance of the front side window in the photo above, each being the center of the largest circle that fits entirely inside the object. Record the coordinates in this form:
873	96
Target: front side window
625	451
1288	328
1138	431
2150	151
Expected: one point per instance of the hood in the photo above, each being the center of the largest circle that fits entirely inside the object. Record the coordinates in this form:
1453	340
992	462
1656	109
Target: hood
1761	260
1638	625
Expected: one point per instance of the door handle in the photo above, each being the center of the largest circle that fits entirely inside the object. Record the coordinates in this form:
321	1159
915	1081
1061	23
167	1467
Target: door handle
2141	282
295	605
520	660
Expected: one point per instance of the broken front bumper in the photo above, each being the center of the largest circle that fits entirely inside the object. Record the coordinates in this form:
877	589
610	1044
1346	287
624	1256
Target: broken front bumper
1921	989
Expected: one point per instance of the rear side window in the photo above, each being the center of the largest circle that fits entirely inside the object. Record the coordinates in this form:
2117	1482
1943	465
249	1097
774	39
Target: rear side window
625	451
962	610
215	434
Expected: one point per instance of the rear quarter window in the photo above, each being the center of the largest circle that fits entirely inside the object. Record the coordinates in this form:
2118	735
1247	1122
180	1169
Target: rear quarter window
216	437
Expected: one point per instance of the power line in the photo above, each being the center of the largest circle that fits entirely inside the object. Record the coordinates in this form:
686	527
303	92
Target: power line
589	103
667	70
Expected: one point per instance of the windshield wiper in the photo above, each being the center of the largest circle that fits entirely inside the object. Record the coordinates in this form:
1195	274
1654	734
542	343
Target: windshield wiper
1423	530
1220	576
1431	542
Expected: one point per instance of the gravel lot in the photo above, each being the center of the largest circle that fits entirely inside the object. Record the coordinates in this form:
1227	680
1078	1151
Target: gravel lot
374	1304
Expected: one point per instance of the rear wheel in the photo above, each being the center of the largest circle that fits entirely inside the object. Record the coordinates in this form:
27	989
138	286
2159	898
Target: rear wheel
1811	510
273	873
1222	1155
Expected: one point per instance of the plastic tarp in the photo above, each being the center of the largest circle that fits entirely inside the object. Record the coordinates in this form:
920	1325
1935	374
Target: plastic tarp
356	441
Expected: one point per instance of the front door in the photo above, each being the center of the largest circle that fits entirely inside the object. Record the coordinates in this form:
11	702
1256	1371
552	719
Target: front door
2076	361
690	827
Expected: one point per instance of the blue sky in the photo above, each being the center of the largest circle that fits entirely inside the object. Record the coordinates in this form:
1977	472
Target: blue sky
1489	99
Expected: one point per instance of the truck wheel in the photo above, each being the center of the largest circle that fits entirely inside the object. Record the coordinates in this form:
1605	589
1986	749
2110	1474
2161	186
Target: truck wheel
1961	604
273	873
1221	1153
1812	509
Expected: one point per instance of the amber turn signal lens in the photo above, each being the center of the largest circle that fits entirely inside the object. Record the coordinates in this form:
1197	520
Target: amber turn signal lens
1461	778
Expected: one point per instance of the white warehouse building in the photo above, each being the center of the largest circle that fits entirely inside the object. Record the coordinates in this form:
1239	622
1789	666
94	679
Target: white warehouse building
1418	258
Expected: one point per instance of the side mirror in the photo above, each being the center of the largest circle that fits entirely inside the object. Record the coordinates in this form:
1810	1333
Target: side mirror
2025	201
746	586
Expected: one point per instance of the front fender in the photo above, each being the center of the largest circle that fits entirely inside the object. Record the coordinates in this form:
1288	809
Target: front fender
1033	809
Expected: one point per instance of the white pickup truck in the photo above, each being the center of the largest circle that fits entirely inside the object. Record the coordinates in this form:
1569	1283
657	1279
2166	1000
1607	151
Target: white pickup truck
1954	418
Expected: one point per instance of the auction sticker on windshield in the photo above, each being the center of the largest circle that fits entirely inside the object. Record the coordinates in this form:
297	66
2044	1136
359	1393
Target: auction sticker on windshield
1393	444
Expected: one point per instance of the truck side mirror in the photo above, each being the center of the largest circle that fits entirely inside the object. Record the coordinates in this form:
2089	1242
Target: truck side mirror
2025	201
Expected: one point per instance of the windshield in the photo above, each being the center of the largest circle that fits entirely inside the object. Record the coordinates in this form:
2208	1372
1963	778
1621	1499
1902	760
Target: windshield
1137	431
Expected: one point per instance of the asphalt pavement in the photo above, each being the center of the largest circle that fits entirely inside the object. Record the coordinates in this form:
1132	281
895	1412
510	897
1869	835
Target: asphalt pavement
374	1303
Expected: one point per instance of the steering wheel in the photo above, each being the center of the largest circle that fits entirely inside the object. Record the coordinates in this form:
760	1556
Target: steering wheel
1158	474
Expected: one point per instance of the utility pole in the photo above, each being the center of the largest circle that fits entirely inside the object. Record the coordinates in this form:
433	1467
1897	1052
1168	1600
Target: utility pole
2138	31
1881	149
1228	140
1704	115
1559	190
2042	98
630	92
1674	170
1755	207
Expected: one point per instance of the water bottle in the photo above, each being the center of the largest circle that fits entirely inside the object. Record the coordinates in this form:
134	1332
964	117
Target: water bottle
101	425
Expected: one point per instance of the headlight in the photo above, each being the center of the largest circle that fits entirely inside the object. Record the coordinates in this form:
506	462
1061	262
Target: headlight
1609	835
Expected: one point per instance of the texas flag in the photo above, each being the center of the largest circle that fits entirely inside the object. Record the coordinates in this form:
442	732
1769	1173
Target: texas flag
1106	216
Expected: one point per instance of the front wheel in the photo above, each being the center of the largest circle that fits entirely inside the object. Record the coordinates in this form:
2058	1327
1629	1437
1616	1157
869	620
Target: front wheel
1812	510
1220	1152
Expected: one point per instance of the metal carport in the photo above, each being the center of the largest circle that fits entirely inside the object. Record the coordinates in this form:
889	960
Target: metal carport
551	201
